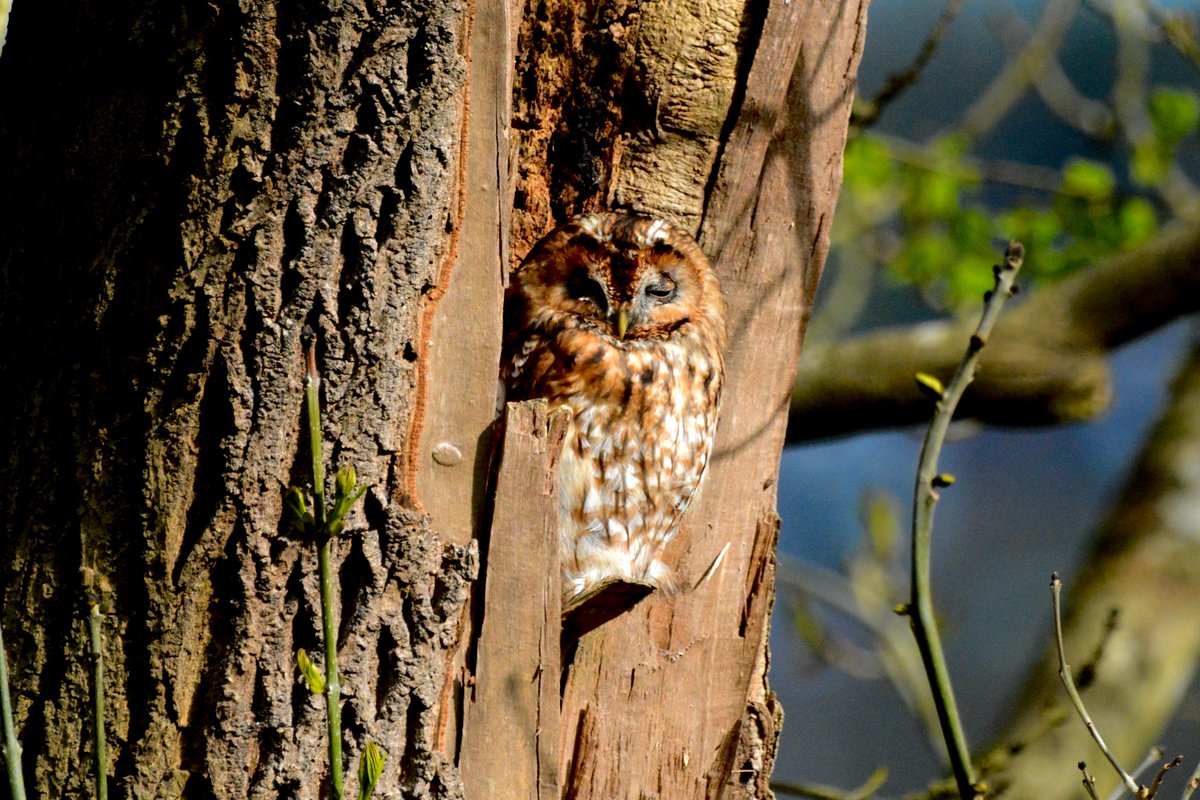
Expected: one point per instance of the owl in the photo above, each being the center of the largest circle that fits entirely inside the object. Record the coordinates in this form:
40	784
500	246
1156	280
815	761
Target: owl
620	318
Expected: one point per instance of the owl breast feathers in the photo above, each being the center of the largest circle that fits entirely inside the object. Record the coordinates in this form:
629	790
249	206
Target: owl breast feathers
620	318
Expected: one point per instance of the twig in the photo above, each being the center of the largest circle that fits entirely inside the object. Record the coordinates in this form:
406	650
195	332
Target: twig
820	792
1153	757
1192	784
1089	783
925	498
333	688
1013	81
98	737
896	84
1087	674
12	748
1162	771
1180	32
1064	674
1052	83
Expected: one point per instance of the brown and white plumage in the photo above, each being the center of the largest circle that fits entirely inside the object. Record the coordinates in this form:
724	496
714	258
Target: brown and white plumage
621	319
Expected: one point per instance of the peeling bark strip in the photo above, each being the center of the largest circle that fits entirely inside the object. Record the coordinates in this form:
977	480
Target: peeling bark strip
510	727
216	177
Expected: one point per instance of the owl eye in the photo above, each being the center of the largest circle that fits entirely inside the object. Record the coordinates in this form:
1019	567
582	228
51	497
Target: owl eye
584	287
664	290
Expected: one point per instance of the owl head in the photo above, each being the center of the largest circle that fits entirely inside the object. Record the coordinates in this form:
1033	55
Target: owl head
631	277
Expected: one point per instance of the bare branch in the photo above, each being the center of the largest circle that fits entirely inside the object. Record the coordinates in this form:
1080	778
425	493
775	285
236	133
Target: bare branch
1053	85
866	112
1146	559
1064	674
1192	784
819	792
1049	364
1089	783
925	498
1157	782
1014	80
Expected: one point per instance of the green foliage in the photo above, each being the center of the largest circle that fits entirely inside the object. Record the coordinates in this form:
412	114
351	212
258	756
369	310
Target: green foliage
948	235
930	385
312	675
1173	115
322	526
346	492
370	767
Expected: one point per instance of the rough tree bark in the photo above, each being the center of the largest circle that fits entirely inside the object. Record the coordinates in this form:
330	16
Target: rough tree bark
209	181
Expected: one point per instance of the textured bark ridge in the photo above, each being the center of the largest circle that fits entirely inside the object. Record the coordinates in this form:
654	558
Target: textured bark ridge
235	175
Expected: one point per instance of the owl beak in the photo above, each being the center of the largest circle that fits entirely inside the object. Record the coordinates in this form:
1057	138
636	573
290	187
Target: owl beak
622	323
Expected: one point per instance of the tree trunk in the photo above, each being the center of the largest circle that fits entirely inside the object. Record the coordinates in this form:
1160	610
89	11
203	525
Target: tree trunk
208	182
211	181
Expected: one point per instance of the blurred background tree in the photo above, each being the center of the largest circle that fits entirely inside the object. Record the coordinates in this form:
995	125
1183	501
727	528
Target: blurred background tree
1071	127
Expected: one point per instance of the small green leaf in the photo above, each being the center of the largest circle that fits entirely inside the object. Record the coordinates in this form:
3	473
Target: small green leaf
970	277
808	627
316	681
1174	113
344	499
881	517
867	164
1089	179
930	385
932	196
344	482
370	767
1138	221
301	518
1149	163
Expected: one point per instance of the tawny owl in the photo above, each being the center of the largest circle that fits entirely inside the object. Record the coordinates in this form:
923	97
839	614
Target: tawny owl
621	319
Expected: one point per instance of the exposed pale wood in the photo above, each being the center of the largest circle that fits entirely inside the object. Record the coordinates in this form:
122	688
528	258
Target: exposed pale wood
511	713
463	352
463	320
657	701
685	55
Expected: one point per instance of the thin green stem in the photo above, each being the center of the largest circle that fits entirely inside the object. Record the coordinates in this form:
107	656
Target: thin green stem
1064	674
100	745
12	748
333	688
925	497
819	792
